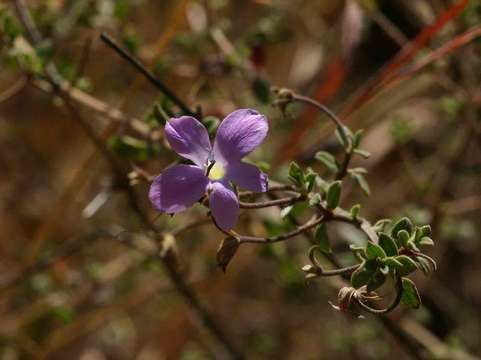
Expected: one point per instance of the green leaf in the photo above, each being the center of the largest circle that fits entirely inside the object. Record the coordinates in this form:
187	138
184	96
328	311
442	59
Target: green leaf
374	251
261	90
333	195
358	251
355	211
340	138
363	153
315	200
385	269
426	230
356	138
381	224
426	241
328	160
295	174
361	276
322	238
402	224
310	181
65	314
408	265
211	123
393	263
403	238
226	251
388	244
10	26
130	148
423	232
263	165
377	280
410	296
361	181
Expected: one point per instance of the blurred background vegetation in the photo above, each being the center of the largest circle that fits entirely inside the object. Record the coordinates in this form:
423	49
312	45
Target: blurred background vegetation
70	288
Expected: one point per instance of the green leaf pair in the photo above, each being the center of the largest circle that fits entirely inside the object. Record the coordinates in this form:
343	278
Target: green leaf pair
305	181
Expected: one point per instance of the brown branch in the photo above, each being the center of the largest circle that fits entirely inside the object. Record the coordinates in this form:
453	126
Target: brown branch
277	202
267	240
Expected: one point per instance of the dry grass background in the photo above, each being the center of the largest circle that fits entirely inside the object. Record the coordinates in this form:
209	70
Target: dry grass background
69	289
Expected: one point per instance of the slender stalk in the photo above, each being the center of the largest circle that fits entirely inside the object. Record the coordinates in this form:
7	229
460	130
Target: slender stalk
271	189
340	127
267	240
277	202
319	270
146	72
323	108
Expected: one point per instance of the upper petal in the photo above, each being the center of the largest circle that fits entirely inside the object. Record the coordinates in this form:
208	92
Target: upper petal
238	134
189	138
247	176
178	188
224	206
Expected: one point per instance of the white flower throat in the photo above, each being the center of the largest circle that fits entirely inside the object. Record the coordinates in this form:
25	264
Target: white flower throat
215	171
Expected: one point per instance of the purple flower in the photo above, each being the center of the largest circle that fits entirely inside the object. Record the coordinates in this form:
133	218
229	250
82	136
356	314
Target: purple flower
180	186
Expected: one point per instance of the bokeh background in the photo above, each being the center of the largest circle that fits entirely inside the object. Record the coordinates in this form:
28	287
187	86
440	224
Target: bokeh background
407	72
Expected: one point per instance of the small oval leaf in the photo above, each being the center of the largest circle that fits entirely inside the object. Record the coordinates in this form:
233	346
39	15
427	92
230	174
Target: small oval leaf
388	244
410	296
333	195
374	251
322	238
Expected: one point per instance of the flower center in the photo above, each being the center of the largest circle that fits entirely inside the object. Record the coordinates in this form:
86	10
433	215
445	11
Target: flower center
216	171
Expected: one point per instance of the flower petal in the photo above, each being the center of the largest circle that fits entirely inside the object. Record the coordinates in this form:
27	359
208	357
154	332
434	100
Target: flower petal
224	206
178	188
188	138
247	176
238	134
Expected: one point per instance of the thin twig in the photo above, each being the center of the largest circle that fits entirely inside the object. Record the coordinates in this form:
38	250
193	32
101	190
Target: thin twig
147	73
277	202
271	188
267	240
340	127
320	271
323	108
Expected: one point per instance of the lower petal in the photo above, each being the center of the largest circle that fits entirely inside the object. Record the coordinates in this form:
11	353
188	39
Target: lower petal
178	188
247	176
224	206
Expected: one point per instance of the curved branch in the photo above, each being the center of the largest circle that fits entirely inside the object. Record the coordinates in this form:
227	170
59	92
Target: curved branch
267	240
319	270
146	72
325	110
391	307
340	127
